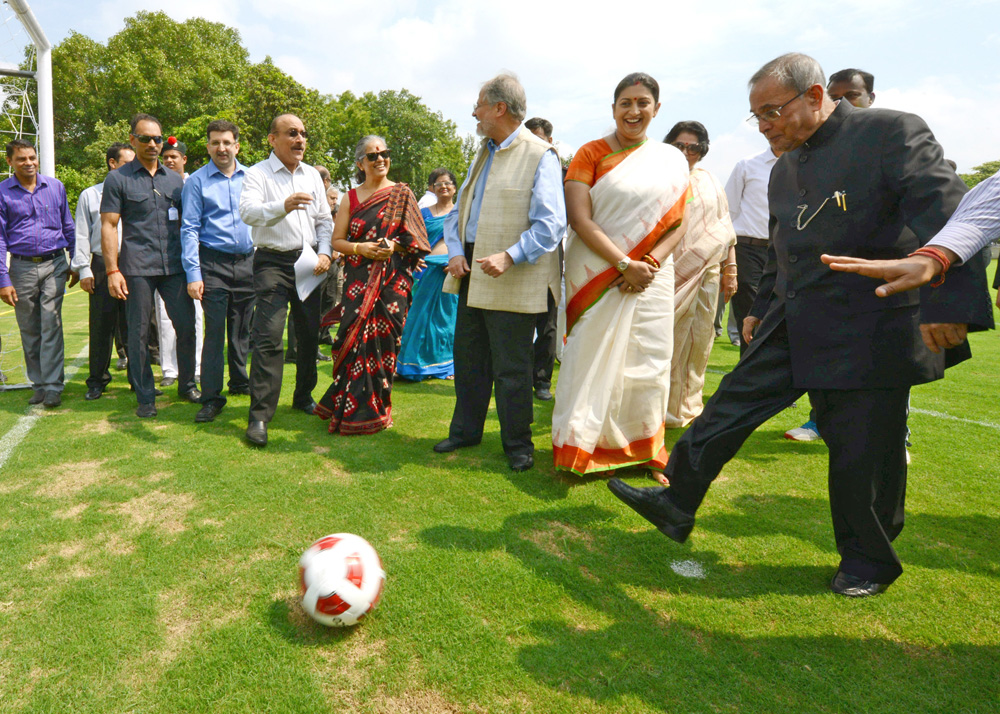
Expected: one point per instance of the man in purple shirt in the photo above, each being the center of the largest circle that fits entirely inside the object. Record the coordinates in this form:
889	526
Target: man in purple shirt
37	229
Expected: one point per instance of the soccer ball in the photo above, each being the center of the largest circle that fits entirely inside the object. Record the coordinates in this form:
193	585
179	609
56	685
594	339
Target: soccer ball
341	577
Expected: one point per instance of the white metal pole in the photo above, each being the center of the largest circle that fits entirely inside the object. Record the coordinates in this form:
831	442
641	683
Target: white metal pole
43	82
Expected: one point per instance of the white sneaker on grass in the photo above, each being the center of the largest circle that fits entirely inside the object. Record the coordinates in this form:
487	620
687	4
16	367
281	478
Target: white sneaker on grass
806	432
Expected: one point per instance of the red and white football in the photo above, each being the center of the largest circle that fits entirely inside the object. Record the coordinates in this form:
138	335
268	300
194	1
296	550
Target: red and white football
341	577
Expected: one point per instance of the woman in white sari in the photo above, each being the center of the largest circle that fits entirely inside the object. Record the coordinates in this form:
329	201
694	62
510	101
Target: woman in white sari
625	198
705	257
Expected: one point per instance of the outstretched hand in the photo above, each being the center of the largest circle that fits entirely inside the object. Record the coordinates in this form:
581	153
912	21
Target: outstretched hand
899	275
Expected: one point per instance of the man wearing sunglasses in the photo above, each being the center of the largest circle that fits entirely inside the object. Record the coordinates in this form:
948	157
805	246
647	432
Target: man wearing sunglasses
848	182
284	203
145	196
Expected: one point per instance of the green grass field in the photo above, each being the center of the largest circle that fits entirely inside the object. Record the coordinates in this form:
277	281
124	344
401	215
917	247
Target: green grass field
150	566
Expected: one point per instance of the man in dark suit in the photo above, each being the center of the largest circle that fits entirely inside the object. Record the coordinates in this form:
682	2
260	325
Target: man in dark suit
848	183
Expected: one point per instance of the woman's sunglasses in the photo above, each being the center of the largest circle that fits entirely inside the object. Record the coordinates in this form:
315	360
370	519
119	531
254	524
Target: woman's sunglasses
372	155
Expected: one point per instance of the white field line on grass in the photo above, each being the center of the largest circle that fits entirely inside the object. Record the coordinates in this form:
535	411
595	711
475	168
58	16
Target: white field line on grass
913	410
16	435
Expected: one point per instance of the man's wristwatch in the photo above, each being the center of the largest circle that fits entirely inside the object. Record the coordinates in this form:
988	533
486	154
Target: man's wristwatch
622	265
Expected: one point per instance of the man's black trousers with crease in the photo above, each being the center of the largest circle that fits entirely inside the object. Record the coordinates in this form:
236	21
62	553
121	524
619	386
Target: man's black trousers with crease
180	310
750	262
227	302
274	288
107	317
493	348
865	430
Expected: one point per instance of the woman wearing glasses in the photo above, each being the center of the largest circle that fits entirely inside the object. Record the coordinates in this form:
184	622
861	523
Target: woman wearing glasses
625	197
382	236
429	335
705	255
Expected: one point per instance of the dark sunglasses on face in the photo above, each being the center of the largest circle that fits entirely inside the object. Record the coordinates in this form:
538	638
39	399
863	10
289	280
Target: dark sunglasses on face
372	155
689	148
295	133
145	139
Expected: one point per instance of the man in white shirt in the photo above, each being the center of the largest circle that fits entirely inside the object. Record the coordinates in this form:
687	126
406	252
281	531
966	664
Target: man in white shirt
106	313
747	194
284	203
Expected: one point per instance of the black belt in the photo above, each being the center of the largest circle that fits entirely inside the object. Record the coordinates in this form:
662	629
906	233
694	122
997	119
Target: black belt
285	253
746	240
38	258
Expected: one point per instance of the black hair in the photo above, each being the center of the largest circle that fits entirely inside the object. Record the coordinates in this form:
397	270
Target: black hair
13	146
642	78
693	127
538	123
115	151
438	173
143	117
846	75
221	126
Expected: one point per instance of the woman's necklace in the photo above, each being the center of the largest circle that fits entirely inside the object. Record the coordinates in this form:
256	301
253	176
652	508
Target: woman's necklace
621	144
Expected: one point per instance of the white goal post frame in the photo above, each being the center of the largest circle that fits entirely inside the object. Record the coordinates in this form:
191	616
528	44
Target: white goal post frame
43	82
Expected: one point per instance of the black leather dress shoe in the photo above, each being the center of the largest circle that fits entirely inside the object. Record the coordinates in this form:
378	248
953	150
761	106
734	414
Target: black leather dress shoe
239	391
655	506
543	394
521	462
853	586
121	364
192	395
320	357
38	397
309	408
93	393
52	399
168	381
449	445
257	433
145	411
207	413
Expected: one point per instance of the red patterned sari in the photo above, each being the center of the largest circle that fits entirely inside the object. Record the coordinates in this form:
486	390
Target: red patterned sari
373	311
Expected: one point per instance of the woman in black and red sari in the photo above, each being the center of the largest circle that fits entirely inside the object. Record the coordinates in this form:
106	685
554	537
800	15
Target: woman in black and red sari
382	236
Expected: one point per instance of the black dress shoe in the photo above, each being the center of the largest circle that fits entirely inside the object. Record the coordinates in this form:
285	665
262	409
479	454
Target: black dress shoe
207	413
257	433
309	408
543	394
521	462
145	411
320	357
289	358
655	506
168	381
853	586
38	397
93	393
450	444
121	364
192	395
239	391
51	399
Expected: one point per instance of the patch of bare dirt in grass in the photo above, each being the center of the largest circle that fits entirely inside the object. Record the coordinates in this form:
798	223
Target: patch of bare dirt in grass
98	427
158	477
159	510
70	478
66	514
11	486
417	701
117	545
553	538
176	622
321	450
160	454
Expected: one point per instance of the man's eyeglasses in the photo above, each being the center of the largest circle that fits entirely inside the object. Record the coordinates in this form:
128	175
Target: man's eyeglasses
772	115
698	148
145	139
442	184
295	133
372	155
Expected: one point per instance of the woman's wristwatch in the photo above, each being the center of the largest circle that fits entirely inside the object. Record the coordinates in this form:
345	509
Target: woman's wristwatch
622	265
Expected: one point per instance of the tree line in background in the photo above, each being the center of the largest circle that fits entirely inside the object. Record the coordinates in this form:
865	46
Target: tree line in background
189	73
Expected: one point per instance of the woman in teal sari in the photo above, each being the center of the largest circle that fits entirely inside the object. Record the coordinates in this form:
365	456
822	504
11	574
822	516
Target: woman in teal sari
429	334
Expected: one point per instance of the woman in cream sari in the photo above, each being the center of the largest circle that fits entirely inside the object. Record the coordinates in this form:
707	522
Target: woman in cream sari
625	198
705	256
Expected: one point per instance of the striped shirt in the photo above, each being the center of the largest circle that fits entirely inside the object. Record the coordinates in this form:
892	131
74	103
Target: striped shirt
975	223
266	185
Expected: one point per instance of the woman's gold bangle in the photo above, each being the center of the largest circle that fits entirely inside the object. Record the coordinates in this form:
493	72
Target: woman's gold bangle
354	248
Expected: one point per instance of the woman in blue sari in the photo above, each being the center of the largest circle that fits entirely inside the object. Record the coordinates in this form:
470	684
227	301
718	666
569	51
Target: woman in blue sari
429	334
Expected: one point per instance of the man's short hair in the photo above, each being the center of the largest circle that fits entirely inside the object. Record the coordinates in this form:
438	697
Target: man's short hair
507	88
222	126
143	117
114	152
793	70
13	146
538	123
846	75
324	172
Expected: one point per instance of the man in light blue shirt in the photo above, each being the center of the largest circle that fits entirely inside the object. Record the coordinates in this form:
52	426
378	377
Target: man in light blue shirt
509	217
218	261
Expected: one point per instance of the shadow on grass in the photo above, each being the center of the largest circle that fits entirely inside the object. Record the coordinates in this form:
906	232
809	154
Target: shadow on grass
286	617
647	652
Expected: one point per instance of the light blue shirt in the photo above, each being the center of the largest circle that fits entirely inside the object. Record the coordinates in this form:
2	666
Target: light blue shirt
211	216
546	212
975	223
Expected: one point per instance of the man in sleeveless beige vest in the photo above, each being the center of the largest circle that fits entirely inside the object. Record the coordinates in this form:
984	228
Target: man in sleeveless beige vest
502	236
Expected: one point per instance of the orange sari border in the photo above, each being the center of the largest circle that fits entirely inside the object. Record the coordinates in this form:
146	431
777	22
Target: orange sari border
592	291
643	451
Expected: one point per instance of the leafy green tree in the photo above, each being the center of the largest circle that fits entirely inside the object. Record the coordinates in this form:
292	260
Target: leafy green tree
980	173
